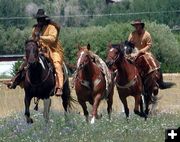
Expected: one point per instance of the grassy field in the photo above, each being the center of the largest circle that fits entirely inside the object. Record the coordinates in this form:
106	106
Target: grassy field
13	127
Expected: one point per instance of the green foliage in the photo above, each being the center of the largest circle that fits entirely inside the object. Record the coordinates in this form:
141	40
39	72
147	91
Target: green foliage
12	40
98	37
17	8
15	67
165	46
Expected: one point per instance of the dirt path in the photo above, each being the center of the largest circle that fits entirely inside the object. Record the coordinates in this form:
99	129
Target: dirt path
12	101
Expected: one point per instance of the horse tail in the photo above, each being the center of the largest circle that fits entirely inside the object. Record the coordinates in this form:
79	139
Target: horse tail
68	100
166	85
162	84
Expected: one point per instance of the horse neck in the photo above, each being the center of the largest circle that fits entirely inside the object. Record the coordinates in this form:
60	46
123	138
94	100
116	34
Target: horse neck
88	71
126	71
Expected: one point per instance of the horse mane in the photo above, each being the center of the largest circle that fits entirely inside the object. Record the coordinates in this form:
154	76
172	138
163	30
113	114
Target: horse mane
129	44
119	47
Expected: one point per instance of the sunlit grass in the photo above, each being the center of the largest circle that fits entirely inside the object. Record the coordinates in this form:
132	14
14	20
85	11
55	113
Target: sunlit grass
13	127
75	129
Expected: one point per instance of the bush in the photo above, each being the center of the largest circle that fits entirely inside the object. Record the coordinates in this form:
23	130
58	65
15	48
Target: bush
165	45
15	67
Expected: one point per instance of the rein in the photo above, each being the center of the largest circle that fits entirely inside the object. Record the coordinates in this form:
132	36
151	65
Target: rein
114	61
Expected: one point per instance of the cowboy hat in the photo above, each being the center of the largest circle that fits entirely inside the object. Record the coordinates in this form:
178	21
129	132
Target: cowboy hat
137	22
40	14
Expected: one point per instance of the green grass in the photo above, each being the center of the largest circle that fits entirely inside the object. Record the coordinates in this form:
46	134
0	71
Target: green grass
75	129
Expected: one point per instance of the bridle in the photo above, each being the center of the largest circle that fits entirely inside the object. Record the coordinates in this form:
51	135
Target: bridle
112	62
82	65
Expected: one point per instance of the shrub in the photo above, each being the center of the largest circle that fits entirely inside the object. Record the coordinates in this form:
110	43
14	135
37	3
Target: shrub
15	67
165	45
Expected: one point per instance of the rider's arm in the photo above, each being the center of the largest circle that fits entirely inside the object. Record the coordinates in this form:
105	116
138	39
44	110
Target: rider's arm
52	37
148	41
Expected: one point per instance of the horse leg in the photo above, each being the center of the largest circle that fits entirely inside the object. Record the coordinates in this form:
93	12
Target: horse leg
47	104
109	103
95	107
124	102
139	102
27	101
154	100
84	107
147	103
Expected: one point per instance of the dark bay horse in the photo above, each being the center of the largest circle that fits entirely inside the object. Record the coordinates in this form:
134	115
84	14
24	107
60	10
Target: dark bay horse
90	84
128	81
39	81
149	70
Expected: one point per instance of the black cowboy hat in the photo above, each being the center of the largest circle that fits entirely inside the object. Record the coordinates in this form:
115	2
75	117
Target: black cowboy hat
40	14
137	22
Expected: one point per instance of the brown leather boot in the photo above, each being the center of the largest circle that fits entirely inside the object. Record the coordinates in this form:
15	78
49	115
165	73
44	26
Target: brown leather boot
19	77
58	92
12	85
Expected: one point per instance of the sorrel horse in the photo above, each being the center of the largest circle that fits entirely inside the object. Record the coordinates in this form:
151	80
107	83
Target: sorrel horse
149	70
90	84
128	81
40	81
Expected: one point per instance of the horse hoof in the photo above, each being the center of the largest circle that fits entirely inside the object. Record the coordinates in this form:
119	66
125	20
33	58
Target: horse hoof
30	121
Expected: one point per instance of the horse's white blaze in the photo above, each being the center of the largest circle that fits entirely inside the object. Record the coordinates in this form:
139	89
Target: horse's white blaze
40	60
111	49
93	120
47	103
125	47
79	60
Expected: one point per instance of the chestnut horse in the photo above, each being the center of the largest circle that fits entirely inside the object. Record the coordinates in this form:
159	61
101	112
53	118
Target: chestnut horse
39	81
149	70
90	84
128	81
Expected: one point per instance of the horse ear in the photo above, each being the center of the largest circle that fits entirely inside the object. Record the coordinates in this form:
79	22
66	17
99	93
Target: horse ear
88	46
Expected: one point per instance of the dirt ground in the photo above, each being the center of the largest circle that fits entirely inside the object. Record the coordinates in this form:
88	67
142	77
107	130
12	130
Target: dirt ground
12	101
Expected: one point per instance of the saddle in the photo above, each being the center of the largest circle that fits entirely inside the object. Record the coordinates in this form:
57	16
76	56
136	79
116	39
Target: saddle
146	63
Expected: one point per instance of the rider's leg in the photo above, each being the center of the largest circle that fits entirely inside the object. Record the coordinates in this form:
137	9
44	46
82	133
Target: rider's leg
19	77
59	78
